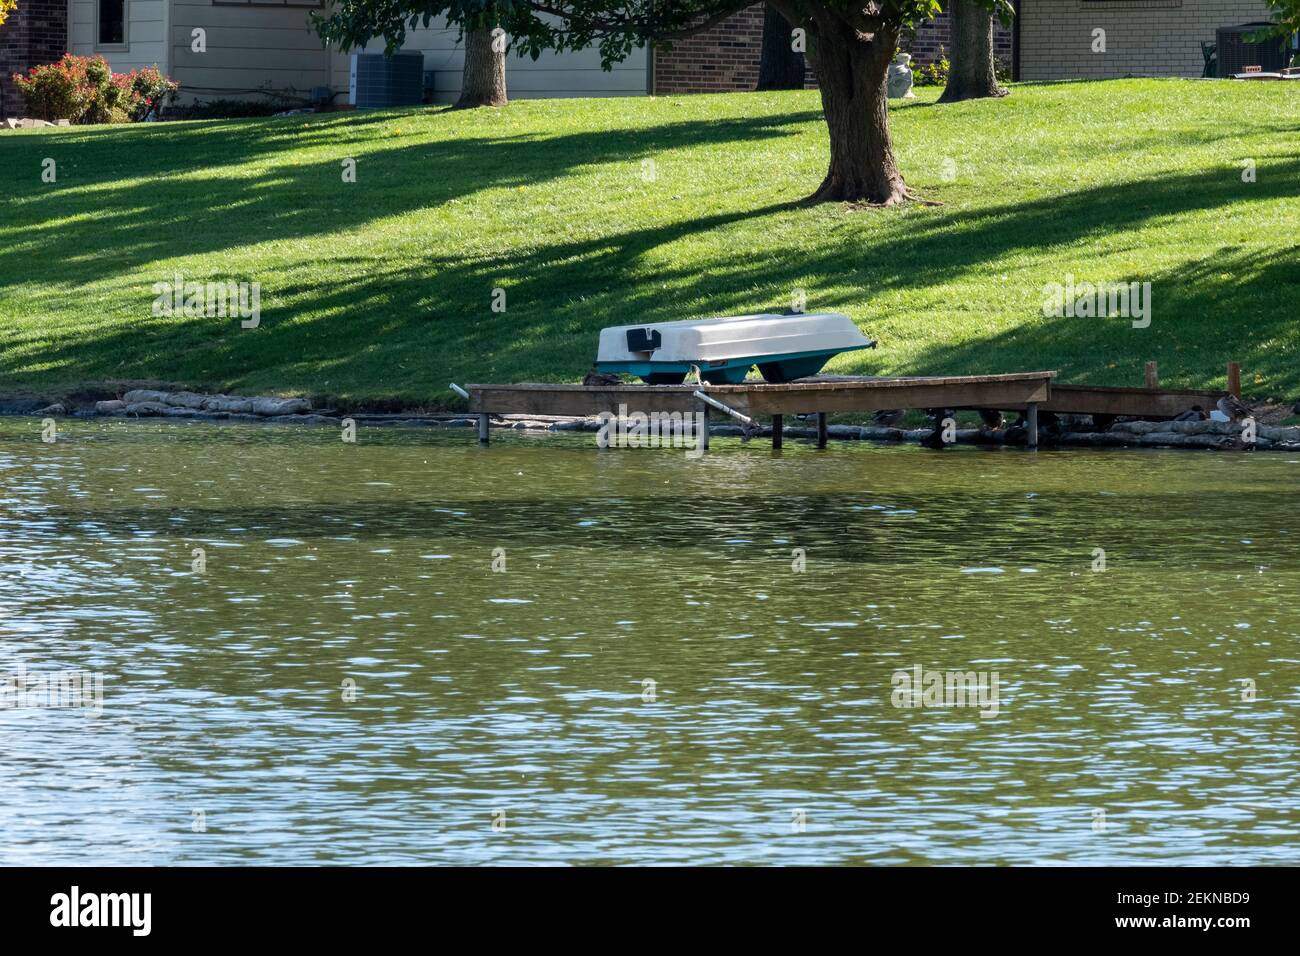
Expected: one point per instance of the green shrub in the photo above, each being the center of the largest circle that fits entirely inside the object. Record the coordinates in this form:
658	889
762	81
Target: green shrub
1002	69
236	109
54	91
82	89
934	73
149	90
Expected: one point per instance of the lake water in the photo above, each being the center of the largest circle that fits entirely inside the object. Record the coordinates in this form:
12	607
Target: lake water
348	679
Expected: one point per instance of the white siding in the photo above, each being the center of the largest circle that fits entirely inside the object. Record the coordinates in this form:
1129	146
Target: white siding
145	30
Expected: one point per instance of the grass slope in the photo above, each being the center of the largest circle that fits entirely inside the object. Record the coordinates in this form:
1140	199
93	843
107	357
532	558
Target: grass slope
383	288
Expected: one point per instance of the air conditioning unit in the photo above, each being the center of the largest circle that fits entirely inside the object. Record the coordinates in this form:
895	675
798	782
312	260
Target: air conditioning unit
1235	52
377	81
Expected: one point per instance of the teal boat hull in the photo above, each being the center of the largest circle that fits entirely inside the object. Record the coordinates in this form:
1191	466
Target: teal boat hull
773	368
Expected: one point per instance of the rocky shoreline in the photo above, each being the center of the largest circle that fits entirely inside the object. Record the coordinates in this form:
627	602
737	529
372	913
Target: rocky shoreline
142	403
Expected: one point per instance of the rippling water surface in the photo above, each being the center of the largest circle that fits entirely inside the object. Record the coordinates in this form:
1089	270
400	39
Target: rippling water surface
226	735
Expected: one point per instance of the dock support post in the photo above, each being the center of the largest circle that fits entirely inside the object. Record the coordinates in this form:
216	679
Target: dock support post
778	427
704	429
1152	375
1234	379
821	429
1031	425
483	429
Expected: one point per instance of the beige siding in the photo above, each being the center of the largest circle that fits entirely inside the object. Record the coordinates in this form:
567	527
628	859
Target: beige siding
249	48
252	47
144	34
553	74
1143	37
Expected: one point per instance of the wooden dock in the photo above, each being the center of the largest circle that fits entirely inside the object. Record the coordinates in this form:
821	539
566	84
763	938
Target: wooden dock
1150	402
1027	392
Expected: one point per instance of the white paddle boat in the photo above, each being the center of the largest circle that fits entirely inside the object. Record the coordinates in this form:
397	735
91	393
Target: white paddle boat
784	347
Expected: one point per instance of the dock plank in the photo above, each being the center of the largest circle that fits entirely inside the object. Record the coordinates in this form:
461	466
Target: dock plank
869	395
1142	403
542	399
813	395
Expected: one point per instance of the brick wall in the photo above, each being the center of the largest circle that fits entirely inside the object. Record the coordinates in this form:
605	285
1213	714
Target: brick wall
725	58
35	33
933	39
722	59
1143	37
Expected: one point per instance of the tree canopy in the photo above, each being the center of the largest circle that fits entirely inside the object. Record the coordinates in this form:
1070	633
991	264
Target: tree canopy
612	27
1287	13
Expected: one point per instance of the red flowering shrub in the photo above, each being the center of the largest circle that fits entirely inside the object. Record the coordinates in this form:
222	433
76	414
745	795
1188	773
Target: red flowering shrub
54	91
83	89
149	89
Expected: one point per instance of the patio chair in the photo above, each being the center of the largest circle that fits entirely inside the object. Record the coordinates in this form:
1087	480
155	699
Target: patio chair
1211	62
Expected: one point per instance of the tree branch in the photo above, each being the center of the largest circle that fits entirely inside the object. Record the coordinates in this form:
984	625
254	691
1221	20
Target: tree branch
600	24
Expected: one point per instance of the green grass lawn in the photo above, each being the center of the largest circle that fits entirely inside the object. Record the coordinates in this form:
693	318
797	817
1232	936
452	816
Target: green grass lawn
384	288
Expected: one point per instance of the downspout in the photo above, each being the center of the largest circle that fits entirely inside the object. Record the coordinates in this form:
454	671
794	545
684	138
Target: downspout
168	41
329	67
650	64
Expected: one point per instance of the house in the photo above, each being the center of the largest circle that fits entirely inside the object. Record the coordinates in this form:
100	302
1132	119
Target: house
37	32
1048	40
233	49
240	48
1056	39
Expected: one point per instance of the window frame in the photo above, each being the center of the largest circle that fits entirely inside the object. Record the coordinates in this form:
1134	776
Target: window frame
126	29
291	4
1131	4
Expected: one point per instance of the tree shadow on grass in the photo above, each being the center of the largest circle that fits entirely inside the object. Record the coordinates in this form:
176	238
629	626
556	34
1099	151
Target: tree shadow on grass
410	322
1231	305
427	322
137	202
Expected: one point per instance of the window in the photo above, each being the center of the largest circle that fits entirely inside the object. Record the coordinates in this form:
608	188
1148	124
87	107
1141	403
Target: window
1127	4
266	3
110	29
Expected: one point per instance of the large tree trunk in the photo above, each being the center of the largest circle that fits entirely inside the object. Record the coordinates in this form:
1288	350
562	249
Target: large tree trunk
851	74
779	66
483	82
970	74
